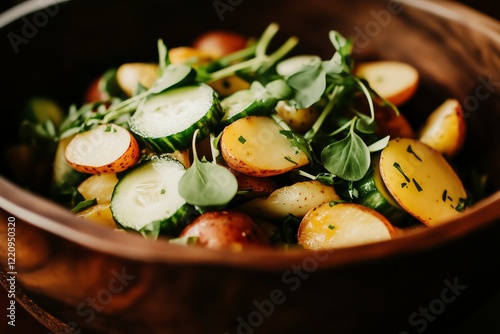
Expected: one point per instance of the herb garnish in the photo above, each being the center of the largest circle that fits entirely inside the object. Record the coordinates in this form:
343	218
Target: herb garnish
410	150
207	184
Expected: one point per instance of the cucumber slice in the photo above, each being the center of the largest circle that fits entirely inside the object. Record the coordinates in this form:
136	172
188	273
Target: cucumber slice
243	104
167	121
373	194
146	198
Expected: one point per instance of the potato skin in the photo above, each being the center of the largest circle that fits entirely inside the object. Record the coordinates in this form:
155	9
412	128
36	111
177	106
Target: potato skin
129	157
226	229
220	43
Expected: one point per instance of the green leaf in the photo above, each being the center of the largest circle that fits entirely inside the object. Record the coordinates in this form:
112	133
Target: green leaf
163	59
279	89
348	158
309	85
207	184
365	124
151	230
379	145
326	178
85	204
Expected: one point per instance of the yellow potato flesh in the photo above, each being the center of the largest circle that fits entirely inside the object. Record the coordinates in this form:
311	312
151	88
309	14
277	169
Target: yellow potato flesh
296	199
229	85
394	81
100	213
445	128
421	180
99	186
342	225
254	146
131	75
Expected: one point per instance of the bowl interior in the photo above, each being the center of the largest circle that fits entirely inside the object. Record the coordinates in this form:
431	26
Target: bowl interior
57	51
48	53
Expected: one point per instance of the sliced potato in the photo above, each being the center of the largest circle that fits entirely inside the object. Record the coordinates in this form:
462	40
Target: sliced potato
99	186
229	85
257	186
183	157
254	146
343	225
395	81
226	229
63	172
100	213
390	124
188	55
421	181
445	128
219	43
296	199
387	122
299	120
106	149
132	75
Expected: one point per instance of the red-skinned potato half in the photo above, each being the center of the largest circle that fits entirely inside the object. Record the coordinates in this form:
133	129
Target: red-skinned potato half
395	81
387	121
226	229
109	148
220	43
94	93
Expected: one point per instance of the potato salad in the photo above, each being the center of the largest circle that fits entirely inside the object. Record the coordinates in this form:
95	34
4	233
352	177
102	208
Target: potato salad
229	143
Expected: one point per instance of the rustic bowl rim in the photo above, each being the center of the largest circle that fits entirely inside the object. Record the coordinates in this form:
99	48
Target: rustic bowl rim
53	218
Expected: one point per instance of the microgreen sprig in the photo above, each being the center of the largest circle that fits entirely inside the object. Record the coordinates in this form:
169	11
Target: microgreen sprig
207	185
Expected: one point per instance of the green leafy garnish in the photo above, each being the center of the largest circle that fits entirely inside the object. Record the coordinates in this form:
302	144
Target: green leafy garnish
85	204
348	158
207	184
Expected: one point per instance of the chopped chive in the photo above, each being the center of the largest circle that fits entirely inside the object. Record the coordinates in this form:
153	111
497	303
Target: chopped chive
331	227
419	188
445	195
462	204
163	191
290	160
85	204
398	167
410	150
108	128
242	139
114	130
451	199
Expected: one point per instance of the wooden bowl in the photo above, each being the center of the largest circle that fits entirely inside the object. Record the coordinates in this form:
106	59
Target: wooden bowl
101	281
